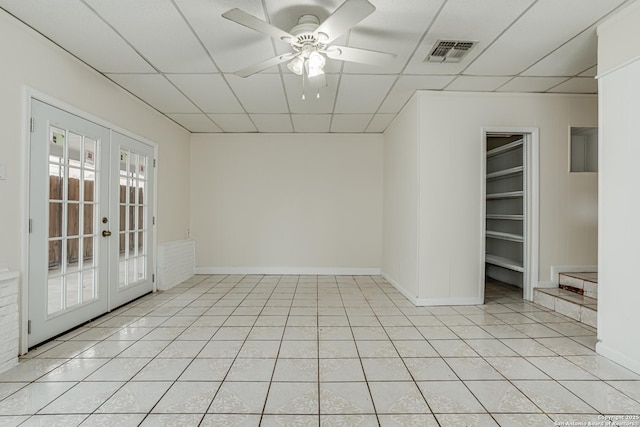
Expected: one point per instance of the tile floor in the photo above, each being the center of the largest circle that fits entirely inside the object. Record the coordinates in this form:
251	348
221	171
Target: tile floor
319	350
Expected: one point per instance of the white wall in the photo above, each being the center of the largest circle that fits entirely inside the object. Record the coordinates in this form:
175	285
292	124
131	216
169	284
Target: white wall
400	226
31	61
285	203
450	151
618	290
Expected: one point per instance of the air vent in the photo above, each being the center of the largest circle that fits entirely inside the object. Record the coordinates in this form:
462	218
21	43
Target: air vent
449	50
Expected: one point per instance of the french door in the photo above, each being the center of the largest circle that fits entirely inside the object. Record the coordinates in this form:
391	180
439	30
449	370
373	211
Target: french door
91	240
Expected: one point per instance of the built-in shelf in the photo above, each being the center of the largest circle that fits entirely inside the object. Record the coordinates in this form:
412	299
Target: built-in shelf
504	236
505	219
505	216
504	148
505	195
504	173
504	263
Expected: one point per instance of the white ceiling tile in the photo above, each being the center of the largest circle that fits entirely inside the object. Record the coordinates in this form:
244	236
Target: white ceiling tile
542	29
362	93
98	45
380	123
474	20
233	46
311	104
477	83
210	92
577	85
195	122
571	59
260	93
156	91
233	122
531	84
284	14
591	72
311	123
395	27
280	123
350	122
406	86
157	30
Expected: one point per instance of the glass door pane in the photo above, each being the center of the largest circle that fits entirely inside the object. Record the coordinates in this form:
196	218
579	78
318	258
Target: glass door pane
72	181
134	213
132	210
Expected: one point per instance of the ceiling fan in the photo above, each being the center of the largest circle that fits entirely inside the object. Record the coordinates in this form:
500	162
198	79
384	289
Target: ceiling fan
311	40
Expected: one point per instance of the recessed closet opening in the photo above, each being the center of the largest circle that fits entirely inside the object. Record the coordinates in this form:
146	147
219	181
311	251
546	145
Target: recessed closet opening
510	208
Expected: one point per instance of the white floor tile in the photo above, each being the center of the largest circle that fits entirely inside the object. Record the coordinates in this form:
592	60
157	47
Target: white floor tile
238	350
240	398
135	397
603	397
397	397
84	397
450	397
345	398
501	397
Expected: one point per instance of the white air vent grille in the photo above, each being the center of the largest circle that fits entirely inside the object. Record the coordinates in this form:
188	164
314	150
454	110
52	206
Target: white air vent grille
449	50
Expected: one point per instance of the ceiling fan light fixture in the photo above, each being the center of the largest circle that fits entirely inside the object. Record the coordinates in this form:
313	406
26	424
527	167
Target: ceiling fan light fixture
315	64
296	65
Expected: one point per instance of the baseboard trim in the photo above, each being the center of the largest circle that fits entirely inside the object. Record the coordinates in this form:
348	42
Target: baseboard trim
449	301
616	356
557	269
314	271
425	302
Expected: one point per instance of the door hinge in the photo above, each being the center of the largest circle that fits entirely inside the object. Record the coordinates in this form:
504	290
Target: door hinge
153	278
154	163
28	326
32	124
30	225
153	221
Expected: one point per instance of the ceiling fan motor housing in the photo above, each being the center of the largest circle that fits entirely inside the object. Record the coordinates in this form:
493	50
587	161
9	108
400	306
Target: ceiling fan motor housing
304	33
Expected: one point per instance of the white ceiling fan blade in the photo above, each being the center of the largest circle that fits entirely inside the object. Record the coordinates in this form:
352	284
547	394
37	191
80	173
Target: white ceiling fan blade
243	18
350	13
363	56
256	68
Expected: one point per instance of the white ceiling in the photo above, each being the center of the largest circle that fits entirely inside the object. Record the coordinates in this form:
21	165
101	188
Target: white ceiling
179	55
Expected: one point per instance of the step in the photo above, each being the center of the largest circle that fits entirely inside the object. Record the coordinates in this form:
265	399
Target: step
583	283
578	307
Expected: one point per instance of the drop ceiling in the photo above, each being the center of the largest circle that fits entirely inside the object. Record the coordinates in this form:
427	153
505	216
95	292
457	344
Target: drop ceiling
179	56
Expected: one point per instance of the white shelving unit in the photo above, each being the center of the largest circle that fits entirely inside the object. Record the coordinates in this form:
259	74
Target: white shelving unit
505	210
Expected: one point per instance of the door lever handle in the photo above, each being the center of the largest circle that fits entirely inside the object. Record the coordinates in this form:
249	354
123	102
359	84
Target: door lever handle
106	233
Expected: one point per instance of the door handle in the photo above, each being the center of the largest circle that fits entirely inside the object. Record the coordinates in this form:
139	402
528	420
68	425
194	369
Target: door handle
106	233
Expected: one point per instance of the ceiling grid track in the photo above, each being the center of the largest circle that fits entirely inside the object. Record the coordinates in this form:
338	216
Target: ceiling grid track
177	56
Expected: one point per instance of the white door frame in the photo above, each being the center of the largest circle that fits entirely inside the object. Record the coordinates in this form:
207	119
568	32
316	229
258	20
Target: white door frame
29	94
532	205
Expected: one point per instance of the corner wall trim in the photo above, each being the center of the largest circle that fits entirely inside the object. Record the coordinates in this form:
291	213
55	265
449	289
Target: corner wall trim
399	288
324	271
